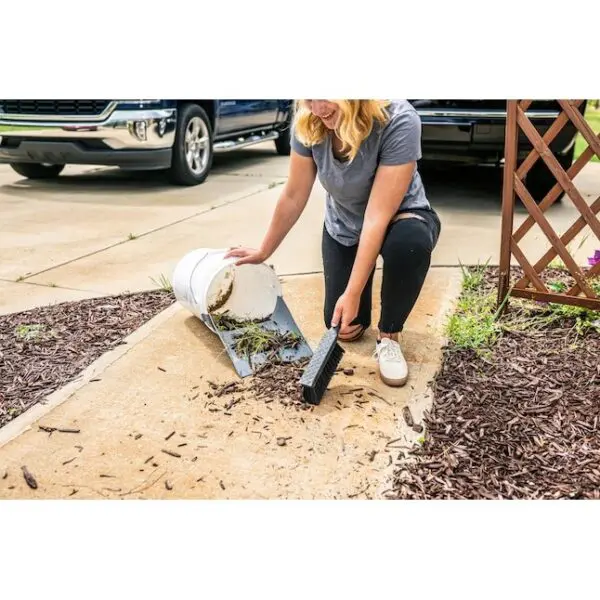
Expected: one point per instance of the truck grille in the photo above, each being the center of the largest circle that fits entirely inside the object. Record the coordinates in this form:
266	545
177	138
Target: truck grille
63	108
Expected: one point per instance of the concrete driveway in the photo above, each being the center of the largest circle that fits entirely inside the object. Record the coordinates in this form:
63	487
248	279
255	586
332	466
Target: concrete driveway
101	231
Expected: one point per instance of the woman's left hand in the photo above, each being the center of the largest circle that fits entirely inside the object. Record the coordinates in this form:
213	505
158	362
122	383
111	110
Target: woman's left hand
346	310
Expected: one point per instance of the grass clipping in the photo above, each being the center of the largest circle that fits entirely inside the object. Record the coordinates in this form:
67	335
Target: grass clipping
255	338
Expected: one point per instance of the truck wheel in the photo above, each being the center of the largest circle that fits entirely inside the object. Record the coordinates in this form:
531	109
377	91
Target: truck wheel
193	148
37	170
540	180
283	143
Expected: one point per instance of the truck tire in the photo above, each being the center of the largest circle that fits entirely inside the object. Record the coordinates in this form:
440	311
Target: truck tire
37	170
540	180
193	148
283	144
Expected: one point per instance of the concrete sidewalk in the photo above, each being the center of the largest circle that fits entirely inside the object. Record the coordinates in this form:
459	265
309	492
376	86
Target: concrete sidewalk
336	451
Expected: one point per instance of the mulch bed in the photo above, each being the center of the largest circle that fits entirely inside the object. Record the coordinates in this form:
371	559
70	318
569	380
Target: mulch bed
43	349
520	423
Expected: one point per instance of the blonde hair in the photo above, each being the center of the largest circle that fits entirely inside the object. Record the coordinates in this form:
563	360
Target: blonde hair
357	118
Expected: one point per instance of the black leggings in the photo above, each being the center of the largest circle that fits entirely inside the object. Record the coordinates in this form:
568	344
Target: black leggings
406	253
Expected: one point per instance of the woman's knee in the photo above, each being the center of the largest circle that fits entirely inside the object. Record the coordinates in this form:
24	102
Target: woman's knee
409	242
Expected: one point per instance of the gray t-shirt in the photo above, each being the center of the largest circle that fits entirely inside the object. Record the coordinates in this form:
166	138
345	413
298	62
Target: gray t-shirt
348	184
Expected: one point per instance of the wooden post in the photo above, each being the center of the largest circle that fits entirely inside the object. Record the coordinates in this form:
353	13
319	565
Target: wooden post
508	199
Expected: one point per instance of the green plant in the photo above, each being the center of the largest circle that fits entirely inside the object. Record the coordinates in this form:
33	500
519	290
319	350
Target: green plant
163	283
473	278
557	286
478	323
584	320
474	324
33	332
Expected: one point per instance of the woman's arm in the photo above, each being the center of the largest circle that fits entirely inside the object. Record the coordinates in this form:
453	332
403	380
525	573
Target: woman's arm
291	204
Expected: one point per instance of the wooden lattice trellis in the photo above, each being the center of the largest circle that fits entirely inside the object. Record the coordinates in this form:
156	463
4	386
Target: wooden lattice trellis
531	285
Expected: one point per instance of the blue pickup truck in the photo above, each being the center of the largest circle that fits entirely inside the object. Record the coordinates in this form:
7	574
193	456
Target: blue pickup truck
39	137
181	136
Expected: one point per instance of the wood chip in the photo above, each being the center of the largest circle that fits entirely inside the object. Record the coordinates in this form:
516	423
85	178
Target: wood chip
171	453
29	478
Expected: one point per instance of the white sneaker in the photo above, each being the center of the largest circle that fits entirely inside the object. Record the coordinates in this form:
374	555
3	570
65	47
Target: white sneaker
392	365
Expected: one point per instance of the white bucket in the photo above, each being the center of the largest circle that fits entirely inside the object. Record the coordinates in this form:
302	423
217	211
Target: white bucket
204	277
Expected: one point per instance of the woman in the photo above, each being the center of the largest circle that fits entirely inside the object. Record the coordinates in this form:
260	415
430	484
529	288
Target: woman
365	154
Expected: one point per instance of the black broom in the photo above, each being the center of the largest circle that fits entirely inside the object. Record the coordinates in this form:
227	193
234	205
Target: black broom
322	366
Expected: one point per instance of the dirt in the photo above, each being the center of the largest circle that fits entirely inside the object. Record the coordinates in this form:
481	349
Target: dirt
45	348
221	299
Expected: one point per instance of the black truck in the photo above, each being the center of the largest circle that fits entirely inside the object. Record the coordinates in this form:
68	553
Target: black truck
472	132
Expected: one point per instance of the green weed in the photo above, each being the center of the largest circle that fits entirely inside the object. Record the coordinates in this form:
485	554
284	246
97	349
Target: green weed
163	283
473	279
30	333
474	324
478	323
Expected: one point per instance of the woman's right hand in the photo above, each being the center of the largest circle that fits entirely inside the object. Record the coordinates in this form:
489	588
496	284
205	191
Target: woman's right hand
246	256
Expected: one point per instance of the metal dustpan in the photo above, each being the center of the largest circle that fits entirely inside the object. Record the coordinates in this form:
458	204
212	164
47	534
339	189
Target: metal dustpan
280	320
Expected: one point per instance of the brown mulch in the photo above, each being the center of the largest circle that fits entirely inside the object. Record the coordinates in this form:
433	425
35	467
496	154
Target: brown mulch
274	381
520	423
281	382
45	348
